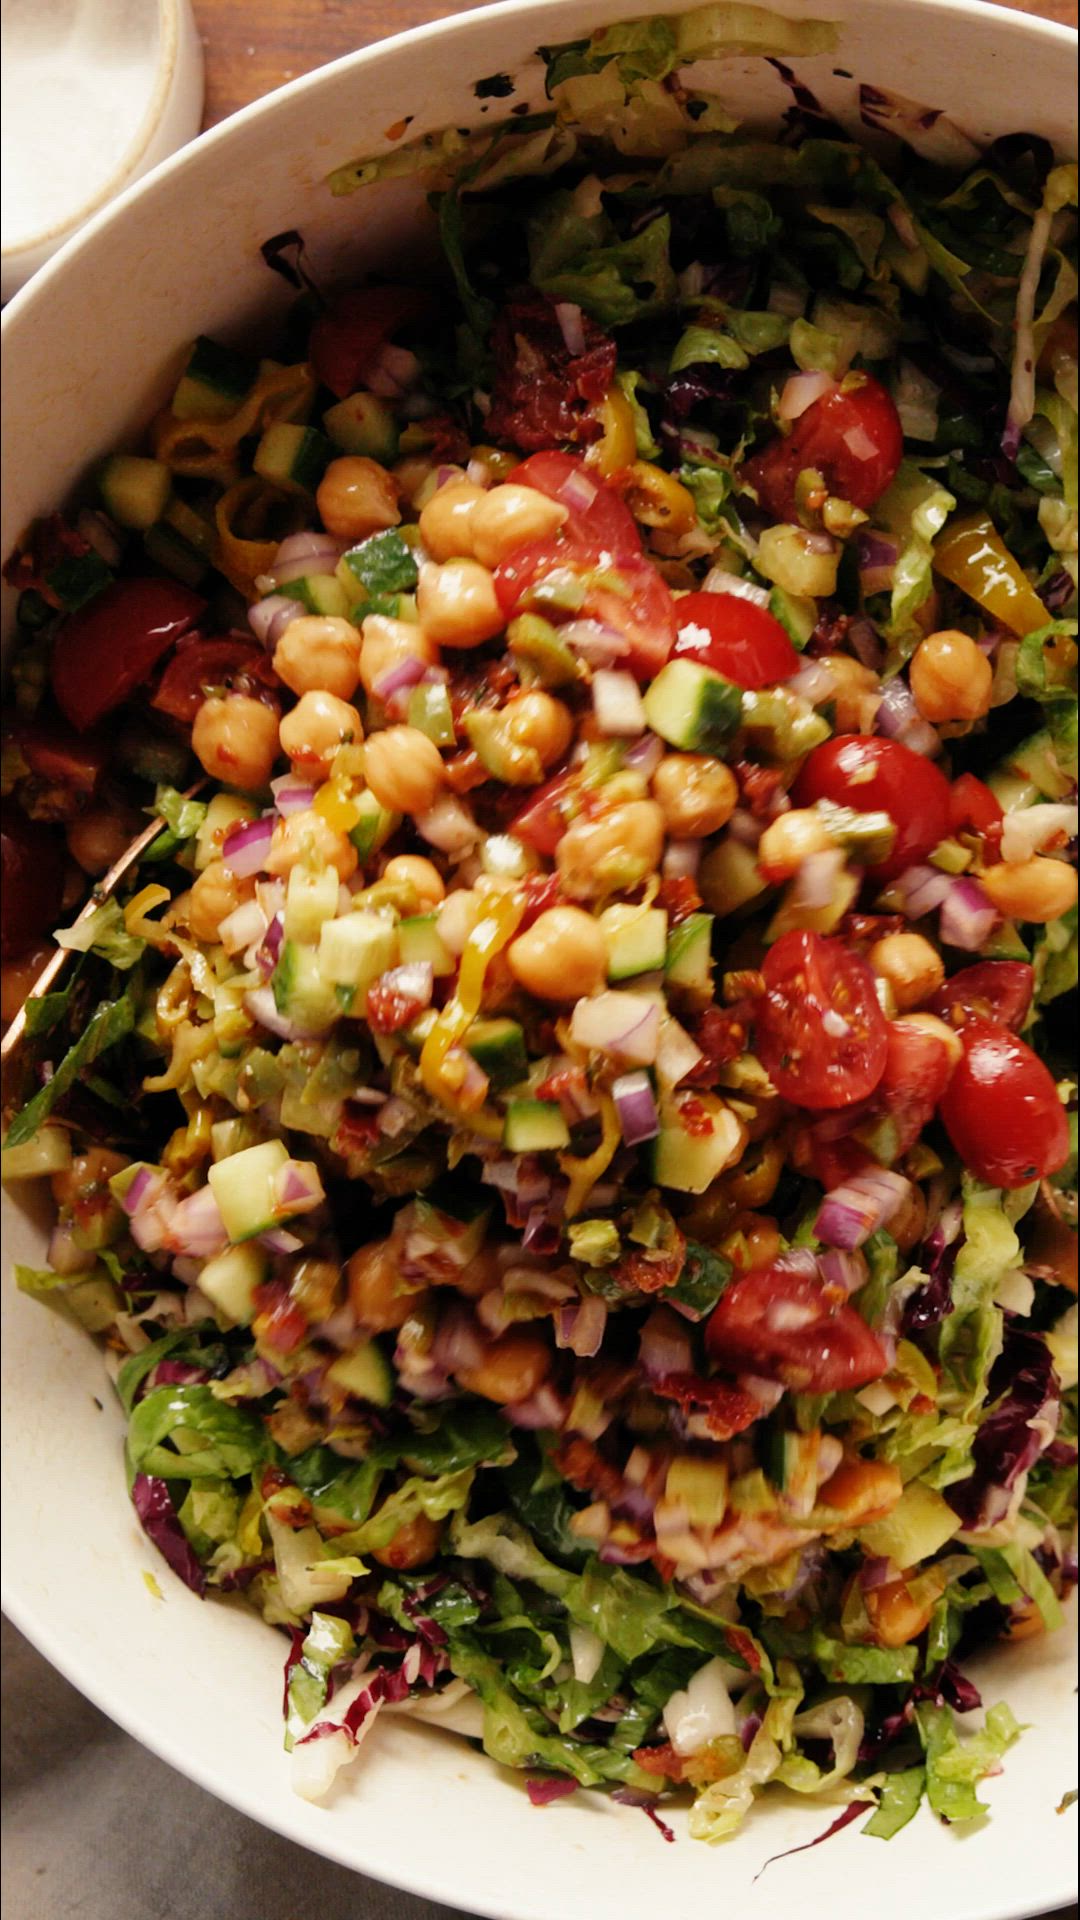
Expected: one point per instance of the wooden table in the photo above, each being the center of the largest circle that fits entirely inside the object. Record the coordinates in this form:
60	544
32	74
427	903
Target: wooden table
254	45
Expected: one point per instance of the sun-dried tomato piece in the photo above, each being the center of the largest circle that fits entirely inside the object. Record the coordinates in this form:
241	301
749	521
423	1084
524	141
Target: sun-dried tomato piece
543	395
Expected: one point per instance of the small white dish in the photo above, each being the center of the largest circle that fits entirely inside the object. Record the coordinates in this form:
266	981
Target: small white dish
95	93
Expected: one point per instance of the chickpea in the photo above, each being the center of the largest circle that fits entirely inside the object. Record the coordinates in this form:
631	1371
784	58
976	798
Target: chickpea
862	1490
457	605
16	979
235	739
482	1275
514	1366
458	916
389	643
951	678
508	516
376	1295
929	1023
856	688
895	1614
305	838
98	838
562	956
752	1240
789	840
612	853
319	653
404	769
411	474
698	795
908	1223
356	497
217	892
1035	890
536	720
87	1176
318	725
422	876
446	521
413	1545
913	968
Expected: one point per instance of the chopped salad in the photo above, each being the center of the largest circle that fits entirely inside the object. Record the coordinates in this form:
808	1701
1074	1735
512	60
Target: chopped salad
569	1140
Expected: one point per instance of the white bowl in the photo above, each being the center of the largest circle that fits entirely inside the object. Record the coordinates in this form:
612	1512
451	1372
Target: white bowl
94	95
90	348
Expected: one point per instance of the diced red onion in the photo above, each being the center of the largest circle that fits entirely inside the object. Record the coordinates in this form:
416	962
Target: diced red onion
405	674
246	847
745	827
898	718
719	580
864	643
920	890
553	1786
645	755
876	1571
816	883
571	326
635	1104
243	927
261	1005
197	1228
479	473
269	617
297	1187
676	1055
578	492
877	556
813	682
395	1115
801	391
767	1393
597	644
845	1270
458	1341
624	1025
267	957
798	1260
144	1186
415	981
666	1345
308	546
617	704
580	1327
290	796
543	1409
838	1125
277	1240
682	859
449	825
968	916
851	1212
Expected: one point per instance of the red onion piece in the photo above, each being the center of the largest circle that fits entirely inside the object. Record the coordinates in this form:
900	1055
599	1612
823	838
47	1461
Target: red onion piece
307	546
624	1025
876	1571
297	1187
719	580
617	704
850	1213
243	927
290	795
581	1327
578	492
416	981
666	1345
266	958
968	916
847	1271
571	326
458	1341
676	1056
395	1115
277	1240
197	1228
597	644
801	391
635	1104
145	1184
543	1409
682	859
396	679
261	1005
269	617
921	889
864	643
449	825
645	755
898	718
246	847
813	682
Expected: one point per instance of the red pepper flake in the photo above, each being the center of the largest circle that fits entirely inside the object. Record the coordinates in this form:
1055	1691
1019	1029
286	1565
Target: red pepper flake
542	394
744	1647
862	929
566	1087
586	1469
388	1009
727	1409
679	897
722	1033
759	787
694	1118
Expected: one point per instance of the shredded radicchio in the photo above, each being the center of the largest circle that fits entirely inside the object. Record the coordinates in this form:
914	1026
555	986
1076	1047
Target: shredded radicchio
631	1797
552	1787
153	1504
930	1304
843	1819
1023	1382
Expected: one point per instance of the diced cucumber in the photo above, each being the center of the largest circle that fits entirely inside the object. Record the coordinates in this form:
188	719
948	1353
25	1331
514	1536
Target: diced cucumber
364	424
693	708
797	614
1031	770
781	724
701	1486
688	958
430	711
310	900
685	1157
534	1126
448	1217
356	949
300	991
499	1047
232	1136
166	549
366	1373
319	593
1005	944
636	940
93	1302
230	1280
418	939
134	490
224	812
194	529
47	1151
918	1526
728	877
214	382
791	1463
413	1036
374	826
293	456
243	1187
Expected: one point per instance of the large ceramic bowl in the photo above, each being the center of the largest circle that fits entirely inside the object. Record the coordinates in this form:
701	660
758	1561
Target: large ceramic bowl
89	350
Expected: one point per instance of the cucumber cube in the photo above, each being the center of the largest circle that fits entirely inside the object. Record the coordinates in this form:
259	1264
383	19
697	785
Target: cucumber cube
293	456
374	826
365	1373
230	1281
499	1047
356	949
728	877
418	939
300	992
224	812
636	940
319	593
135	491
534	1126
244	1188
364	424
688	958
310	900
689	1161
693	708
918	1526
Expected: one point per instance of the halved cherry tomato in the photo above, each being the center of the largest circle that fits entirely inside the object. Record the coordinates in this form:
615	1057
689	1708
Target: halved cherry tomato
1001	1110
202	666
851	436
32	867
972	806
597	513
875	775
744	642
789	1327
346	338
545	817
821	1034
53	753
998	990
918	1068
625	593
107	649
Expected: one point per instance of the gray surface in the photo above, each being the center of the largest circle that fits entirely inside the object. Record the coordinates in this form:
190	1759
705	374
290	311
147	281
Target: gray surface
95	1828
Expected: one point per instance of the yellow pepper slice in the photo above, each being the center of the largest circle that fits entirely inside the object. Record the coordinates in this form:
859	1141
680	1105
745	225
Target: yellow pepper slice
335	804
657	499
617	445
266	514
584	1174
500	922
974	557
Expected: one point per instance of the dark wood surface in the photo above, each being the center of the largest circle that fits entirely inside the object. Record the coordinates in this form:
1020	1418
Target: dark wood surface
255	45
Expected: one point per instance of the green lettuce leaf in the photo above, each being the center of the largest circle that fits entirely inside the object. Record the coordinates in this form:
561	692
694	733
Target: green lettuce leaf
581	259
954	1767
110	1022
899	1801
327	1642
184	1433
103	932
914	509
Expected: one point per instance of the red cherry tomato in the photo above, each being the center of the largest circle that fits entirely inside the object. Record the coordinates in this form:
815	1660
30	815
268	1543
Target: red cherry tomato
918	1068
346	338
852	437
873	776
821	1034
789	1327
972	806
998	990
546	816
199	667
1001	1110
105	651
736	638
32	867
624	593
52	753
597	513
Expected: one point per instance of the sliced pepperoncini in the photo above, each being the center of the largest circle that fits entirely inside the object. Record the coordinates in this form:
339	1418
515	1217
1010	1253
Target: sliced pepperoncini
973	556
617	445
494	931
